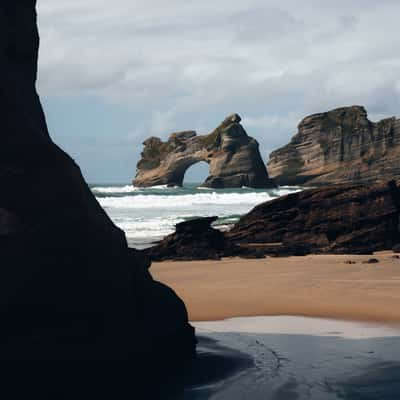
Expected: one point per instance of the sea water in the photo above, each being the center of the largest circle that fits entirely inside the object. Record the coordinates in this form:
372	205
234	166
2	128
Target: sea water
149	214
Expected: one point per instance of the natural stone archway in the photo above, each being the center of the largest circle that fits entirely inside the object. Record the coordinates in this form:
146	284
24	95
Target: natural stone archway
233	156
196	173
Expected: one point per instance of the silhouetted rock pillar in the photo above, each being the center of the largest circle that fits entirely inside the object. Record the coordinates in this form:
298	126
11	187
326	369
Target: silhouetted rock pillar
70	289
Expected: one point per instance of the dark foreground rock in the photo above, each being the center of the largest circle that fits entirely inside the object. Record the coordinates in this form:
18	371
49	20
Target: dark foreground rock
342	219
341	146
71	292
233	156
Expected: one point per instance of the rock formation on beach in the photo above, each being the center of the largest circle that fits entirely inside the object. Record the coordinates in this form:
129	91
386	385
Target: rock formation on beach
233	156
344	219
70	289
339	146
193	240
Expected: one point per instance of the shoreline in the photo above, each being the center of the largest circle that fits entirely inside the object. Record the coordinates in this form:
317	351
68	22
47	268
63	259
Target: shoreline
298	325
315	286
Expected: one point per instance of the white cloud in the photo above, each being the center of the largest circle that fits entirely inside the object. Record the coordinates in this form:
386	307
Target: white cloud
186	63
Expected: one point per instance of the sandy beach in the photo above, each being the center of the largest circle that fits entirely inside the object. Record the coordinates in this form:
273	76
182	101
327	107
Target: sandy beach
313	286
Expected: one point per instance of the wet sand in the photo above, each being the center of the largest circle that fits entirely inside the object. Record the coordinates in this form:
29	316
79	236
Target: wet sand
282	358
242	366
314	286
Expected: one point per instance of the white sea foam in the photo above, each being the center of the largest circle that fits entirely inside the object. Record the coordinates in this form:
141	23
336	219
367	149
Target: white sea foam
149	214
175	202
152	228
160	187
115	189
204	188
284	190
128	189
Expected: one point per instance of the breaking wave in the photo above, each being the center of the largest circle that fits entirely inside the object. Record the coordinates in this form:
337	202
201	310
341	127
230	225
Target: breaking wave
178	201
148	214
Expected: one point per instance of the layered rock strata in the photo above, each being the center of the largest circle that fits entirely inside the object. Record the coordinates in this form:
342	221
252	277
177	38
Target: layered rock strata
233	156
70	289
339	146
342	219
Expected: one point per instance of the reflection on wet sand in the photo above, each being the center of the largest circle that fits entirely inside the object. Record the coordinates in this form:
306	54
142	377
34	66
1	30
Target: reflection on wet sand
237	365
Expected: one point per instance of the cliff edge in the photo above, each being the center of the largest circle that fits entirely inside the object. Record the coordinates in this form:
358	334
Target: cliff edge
339	146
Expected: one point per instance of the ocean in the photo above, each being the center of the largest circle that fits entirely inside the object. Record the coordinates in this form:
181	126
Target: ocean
149	214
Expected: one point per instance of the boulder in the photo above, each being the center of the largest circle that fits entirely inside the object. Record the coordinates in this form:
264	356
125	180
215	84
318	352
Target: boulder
371	261
233	156
193	240
341	146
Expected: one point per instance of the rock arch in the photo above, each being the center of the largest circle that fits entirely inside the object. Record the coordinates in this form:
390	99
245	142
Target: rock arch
234	158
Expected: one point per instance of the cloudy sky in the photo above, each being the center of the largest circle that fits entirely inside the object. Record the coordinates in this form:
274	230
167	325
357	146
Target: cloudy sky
114	73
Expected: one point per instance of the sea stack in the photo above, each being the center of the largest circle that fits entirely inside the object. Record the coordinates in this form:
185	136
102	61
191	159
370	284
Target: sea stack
339	146
70	289
233	156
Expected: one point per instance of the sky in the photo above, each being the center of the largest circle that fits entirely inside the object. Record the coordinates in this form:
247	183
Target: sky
112	74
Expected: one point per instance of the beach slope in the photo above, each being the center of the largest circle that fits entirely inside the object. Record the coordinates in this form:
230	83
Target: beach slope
315	286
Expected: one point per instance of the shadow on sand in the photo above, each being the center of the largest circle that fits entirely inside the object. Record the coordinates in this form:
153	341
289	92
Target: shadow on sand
295	367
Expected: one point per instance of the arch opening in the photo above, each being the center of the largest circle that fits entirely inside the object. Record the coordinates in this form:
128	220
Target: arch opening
197	173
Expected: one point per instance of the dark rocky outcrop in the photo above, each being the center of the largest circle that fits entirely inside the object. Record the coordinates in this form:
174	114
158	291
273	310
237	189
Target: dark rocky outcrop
342	219
70	289
196	239
371	261
345	219
193	240
233	156
339	146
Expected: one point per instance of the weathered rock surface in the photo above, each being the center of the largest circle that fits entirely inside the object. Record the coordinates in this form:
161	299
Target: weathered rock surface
70	289
341	219
198	240
233	156
193	240
339	146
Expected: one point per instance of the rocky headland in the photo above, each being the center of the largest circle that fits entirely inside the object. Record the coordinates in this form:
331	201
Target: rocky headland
70	288
233	156
341	146
344	219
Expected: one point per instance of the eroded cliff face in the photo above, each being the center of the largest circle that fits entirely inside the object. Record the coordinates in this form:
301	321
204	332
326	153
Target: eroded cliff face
339	146
70	289
233	156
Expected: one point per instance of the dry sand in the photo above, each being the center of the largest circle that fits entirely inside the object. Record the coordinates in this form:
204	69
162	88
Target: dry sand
313	286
